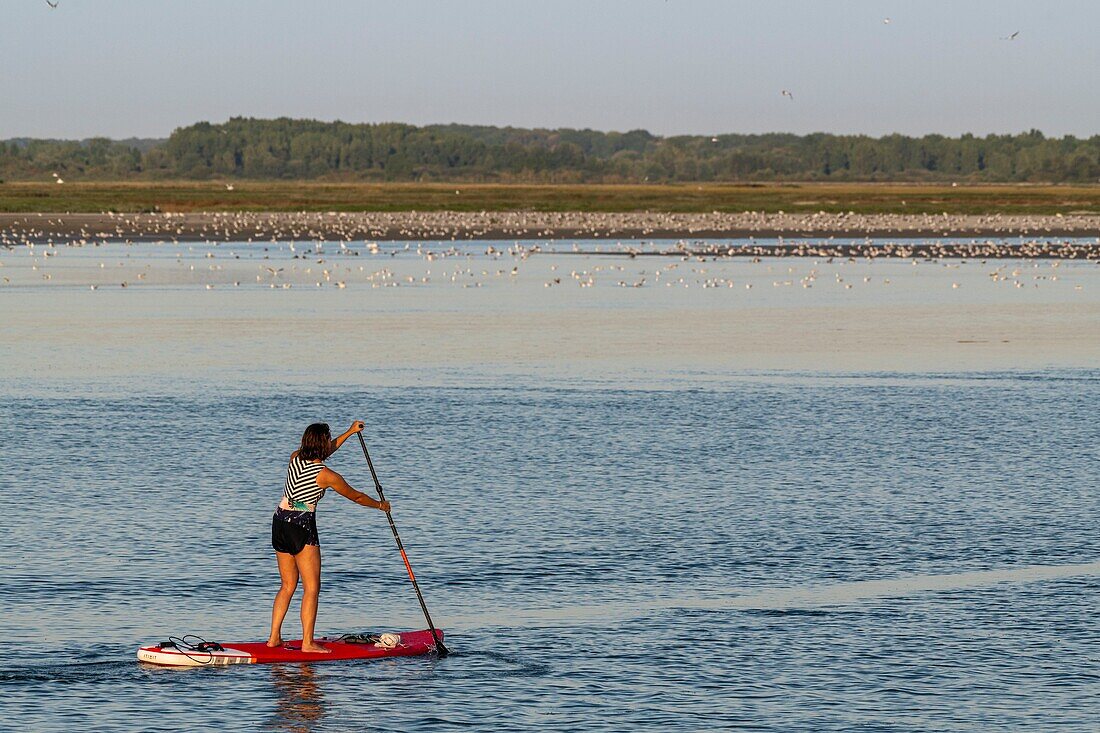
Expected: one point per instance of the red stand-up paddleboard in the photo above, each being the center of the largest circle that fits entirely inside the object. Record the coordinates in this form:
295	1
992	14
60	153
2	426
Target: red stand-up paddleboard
178	653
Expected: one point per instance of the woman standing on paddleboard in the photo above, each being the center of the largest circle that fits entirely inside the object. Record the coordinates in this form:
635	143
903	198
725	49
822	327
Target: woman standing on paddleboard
294	526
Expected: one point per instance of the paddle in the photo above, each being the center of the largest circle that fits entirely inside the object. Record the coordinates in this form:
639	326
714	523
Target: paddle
440	649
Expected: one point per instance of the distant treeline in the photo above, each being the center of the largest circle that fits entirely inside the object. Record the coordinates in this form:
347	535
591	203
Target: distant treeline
307	149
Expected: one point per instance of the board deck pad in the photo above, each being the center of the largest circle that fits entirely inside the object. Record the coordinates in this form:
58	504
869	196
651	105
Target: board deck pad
413	643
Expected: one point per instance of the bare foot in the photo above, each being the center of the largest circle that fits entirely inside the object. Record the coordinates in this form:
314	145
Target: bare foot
274	641
315	648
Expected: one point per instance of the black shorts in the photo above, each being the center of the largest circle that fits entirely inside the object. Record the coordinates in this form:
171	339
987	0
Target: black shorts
291	531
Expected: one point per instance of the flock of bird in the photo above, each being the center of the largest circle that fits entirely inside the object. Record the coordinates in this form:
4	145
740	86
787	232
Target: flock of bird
319	249
528	225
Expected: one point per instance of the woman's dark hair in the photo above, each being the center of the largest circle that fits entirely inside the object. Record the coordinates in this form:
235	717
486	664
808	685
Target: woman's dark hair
316	442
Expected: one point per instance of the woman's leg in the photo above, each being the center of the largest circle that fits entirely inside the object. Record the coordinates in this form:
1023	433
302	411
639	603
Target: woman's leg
288	572
309	567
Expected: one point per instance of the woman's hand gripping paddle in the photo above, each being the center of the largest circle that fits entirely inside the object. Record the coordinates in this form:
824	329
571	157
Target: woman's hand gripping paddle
440	649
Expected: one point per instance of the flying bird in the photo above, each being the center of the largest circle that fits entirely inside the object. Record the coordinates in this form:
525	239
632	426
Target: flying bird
787	94
886	21
53	4
1012	37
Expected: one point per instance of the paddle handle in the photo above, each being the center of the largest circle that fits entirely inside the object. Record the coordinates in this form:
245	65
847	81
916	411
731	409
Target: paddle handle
442	650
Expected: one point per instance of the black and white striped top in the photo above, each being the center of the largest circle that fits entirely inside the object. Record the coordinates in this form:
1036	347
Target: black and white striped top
301	489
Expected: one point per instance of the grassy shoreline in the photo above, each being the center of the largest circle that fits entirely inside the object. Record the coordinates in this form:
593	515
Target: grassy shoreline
312	196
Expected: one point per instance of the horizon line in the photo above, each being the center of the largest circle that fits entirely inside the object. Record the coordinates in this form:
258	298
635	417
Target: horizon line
979	135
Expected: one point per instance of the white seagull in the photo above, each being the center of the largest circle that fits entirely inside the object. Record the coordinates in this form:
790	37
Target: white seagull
787	94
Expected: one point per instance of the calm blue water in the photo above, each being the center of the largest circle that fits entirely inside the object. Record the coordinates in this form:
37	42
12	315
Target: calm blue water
768	552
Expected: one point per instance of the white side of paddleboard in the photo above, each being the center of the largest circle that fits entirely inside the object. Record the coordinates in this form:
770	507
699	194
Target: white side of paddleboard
171	657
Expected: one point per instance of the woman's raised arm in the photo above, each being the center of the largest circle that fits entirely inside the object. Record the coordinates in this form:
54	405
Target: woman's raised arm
356	426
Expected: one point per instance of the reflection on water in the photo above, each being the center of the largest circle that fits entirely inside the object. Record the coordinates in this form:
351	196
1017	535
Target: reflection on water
300	705
796	599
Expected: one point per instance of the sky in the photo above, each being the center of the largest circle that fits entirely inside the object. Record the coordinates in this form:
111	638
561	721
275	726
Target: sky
122	68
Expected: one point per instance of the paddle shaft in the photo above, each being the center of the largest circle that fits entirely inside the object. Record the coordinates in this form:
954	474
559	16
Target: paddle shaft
442	650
